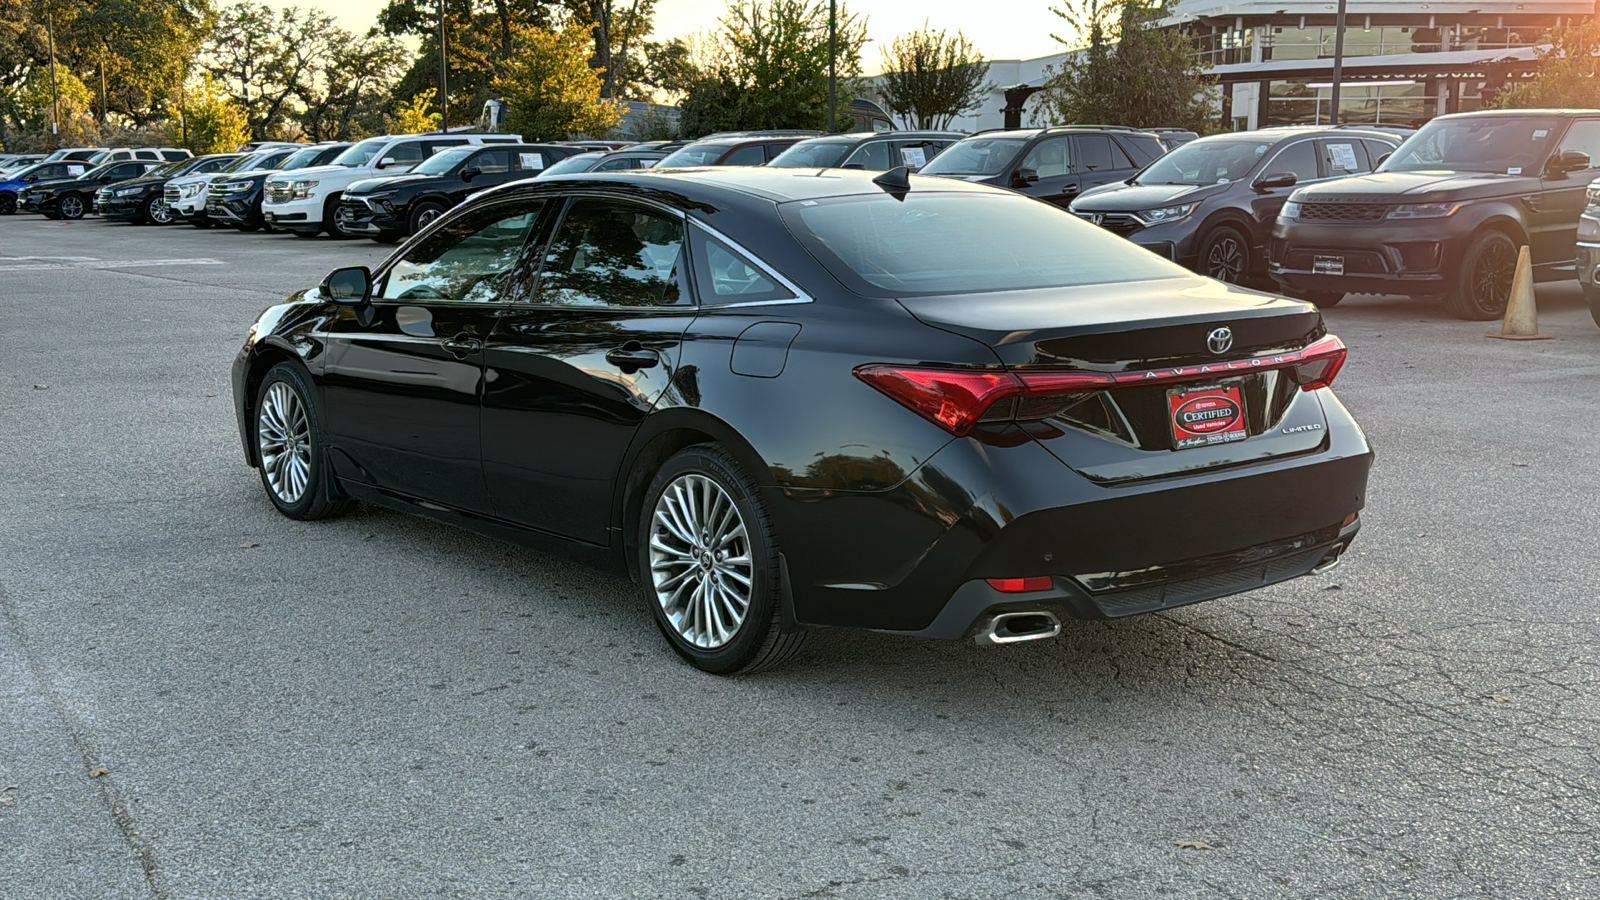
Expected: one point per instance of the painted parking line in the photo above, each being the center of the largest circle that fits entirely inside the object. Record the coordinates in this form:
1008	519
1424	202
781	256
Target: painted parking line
45	263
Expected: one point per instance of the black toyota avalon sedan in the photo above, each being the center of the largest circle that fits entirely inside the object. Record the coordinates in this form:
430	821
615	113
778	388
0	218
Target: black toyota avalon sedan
784	398
1448	213
1210	204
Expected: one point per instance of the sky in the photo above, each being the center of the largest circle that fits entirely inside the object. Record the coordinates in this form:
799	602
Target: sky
1001	29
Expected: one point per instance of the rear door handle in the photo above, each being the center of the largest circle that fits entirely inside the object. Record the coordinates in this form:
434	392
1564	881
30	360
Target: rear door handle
633	356
461	345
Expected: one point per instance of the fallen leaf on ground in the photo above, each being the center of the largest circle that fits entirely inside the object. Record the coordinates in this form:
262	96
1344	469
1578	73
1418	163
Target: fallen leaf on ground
1333	587
97	771
248	544
1519	465
8	801
41	387
1192	845
1499	698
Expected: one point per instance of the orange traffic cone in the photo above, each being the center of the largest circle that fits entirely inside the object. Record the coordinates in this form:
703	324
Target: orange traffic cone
1522	314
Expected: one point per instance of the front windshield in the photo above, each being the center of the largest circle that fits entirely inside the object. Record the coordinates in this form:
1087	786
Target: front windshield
976	156
583	162
302	158
246	163
444	161
1208	161
941	242
360	153
97	171
813	155
694	155
1514	145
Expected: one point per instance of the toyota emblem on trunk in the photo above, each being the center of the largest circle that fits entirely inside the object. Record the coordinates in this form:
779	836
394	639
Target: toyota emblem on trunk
1220	340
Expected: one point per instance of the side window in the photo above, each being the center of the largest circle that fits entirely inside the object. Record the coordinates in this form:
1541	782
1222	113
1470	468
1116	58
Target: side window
126	171
617	165
1097	153
752	155
1341	158
405	154
145	154
434	146
1049	158
914	154
1584	136
466	259
723	275
492	162
872	156
1299	158
1376	150
613	253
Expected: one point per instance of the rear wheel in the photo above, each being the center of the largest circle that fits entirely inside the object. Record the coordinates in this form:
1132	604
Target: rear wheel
424	215
8	203
1483	283
288	436
330	219
1225	255
72	206
1591	293
708	564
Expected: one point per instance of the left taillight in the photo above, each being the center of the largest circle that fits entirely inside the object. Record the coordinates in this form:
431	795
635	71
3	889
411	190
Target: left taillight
958	399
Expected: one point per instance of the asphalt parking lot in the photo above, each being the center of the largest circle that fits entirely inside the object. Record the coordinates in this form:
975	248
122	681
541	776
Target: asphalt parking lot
384	707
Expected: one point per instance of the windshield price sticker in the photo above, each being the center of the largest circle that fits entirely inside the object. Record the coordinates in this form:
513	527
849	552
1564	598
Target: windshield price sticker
1205	416
1343	156
532	160
915	157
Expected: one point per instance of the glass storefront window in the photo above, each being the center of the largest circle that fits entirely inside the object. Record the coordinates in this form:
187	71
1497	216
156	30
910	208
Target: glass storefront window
1297	103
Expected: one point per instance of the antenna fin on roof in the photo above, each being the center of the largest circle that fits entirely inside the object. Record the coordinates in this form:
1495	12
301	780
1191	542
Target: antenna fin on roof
896	182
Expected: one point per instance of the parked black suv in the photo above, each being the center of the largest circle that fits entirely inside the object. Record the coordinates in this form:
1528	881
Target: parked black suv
73	197
875	152
1054	164
1209	205
1446	214
140	200
389	208
235	201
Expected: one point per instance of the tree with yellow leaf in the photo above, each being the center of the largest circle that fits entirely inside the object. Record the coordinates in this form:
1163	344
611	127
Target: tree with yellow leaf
551	88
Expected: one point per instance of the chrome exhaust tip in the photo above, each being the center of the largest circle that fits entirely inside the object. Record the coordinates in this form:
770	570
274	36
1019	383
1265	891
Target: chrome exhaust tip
1329	562
1015	627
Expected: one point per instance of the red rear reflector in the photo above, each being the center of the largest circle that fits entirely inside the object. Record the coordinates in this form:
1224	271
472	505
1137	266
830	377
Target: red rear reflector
1020	585
1348	520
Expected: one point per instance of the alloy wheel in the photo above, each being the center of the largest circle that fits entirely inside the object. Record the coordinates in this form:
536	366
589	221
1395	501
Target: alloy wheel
700	561
71	207
1492	275
1225	262
426	217
283	433
160	213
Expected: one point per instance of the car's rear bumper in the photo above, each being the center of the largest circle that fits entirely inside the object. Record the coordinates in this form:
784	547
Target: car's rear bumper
1410	257
907	559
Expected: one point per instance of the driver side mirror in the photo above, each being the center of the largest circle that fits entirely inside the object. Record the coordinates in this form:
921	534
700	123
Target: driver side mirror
1383	159
1569	161
105	179
351	286
1276	180
470	173
1025	177
386	162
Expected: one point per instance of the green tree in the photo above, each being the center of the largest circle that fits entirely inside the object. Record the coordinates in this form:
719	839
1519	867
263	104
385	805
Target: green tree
551	89
1128	71
770	68
615	28
669	66
209	120
415	116
930	77
349	86
1568	72
482	39
267	58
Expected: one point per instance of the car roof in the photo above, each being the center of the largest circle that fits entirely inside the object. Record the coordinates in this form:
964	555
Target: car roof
775	185
1516	113
861	137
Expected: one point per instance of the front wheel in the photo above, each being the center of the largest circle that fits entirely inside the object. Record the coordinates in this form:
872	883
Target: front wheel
8	203
709	565
288	438
424	214
1483	283
1225	255
72	206
157	211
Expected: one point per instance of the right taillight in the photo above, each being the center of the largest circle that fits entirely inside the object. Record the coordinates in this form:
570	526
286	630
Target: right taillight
1319	363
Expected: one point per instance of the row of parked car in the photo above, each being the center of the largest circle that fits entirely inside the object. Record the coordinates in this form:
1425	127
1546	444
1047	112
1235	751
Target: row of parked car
1317	213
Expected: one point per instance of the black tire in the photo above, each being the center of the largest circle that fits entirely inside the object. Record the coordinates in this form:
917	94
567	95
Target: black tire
1482	285
305	234
424	214
1323	299
8	203
757	639
248	228
389	237
52	215
1591	294
72	205
1225	255
330	219
319	496
202	223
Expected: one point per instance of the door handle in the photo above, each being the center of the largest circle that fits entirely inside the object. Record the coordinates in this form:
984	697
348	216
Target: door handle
461	345
633	356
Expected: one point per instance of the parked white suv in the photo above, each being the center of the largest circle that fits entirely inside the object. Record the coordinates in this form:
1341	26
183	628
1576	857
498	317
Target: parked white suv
307	202
186	197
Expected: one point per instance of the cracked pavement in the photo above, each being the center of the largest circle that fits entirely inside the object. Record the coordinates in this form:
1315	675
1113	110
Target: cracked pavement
385	707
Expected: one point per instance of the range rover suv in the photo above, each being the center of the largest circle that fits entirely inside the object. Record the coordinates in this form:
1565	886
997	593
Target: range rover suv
1447	213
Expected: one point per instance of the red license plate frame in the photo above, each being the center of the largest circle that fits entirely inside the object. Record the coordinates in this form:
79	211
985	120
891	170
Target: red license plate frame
1205	415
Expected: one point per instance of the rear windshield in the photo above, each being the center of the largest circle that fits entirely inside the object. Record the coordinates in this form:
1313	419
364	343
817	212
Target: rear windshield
976	156
583	162
956	243
813	155
1513	145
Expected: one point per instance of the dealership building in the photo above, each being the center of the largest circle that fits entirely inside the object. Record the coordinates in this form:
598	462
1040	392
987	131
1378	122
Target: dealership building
1404	62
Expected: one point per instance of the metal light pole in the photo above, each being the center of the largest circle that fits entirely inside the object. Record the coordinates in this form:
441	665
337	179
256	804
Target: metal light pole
55	98
102	92
1338	59
444	85
833	58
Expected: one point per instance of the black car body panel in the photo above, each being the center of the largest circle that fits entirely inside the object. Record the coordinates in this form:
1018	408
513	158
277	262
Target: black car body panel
1052	164
235	199
1346	237
46	197
1234	199
386	206
129	200
532	428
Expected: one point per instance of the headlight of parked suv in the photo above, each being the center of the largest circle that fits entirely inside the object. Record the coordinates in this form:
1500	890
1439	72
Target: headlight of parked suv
301	190
129	192
1593	197
1423	210
1291	210
1167	213
189	190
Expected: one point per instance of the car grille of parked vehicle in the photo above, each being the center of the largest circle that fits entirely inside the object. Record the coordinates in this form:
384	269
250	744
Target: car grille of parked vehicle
1343	212
278	192
226	190
1122	224
171	193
